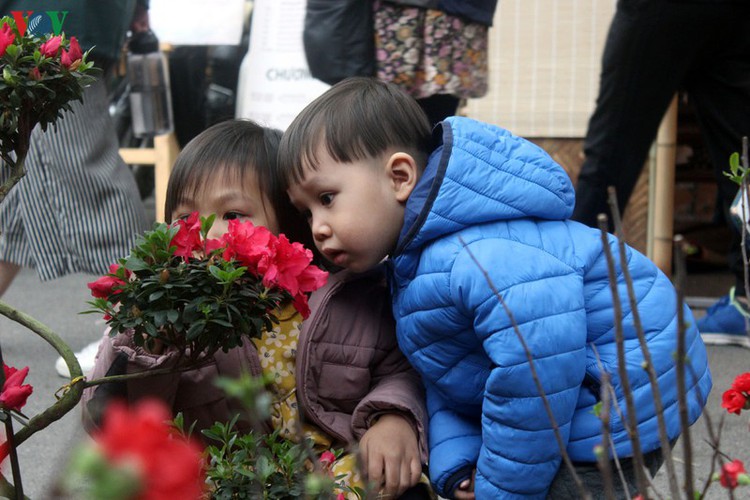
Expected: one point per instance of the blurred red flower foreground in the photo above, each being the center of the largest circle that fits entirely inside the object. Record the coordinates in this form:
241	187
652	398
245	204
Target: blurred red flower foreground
168	465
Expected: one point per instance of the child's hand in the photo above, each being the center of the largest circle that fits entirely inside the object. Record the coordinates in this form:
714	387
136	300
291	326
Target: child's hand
465	490
390	455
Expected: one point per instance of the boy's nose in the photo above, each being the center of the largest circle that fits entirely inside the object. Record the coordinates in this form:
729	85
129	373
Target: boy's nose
320	231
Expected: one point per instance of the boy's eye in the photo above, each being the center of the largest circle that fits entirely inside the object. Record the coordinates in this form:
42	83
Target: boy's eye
326	199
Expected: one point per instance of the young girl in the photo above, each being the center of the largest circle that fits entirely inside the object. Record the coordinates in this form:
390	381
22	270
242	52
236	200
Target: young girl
340	372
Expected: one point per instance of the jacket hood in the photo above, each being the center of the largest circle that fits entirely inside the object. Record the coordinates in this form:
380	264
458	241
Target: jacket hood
481	173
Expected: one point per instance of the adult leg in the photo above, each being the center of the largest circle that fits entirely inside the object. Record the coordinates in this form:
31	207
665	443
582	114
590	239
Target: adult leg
719	86
8	272
645	58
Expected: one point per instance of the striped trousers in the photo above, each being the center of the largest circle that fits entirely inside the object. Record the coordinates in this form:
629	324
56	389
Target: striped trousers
78	208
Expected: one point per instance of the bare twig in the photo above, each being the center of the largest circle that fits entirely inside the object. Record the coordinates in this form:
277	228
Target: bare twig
602	458
70	399
649	365
534	375
621	366
687	448
743	225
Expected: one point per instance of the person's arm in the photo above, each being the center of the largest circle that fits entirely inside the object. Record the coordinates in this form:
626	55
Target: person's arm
543	296
119	355
455	441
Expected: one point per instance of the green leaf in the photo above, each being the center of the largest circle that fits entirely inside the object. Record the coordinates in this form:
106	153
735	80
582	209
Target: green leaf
135	264
156	295
195	330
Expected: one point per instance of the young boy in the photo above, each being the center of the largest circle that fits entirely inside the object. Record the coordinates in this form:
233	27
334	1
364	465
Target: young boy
446	208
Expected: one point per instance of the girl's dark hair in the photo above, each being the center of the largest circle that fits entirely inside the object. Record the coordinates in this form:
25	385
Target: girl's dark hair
357	118
236	148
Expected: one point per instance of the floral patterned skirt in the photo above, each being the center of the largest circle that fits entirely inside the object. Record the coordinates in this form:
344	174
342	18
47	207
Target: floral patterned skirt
428	52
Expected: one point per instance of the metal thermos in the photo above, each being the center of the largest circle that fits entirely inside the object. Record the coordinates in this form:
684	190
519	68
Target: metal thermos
150	97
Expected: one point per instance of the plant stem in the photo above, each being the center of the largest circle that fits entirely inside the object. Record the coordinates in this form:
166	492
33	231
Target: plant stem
70	399
653	380
621	366
680	273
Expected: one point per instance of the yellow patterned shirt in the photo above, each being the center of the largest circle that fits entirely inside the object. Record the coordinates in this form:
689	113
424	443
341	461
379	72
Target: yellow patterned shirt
277	350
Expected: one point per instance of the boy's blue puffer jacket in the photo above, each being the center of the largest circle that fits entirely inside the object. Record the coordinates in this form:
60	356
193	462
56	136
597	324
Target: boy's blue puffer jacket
492	202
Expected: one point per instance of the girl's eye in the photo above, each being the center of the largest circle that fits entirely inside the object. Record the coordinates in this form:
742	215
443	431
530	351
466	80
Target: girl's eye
326	199
182	217
233	215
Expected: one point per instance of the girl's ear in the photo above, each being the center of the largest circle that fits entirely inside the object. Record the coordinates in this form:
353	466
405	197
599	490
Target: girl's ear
403	173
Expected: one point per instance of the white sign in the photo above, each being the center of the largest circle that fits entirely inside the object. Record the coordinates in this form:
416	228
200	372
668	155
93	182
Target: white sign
275	82
197	22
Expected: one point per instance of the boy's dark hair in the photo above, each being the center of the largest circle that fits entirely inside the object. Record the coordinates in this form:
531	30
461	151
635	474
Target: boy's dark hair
234	149
357	118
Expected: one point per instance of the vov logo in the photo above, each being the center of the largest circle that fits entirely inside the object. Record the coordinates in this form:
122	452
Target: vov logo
39	23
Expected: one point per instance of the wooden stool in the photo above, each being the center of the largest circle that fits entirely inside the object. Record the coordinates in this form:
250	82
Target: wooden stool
162	157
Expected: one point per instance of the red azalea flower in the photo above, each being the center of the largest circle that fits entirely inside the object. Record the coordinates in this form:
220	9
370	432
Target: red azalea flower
742	383
733	401
729	473
188	238
73	53
248	244
107	285
327	458
171	467
3	451
289	260
35	74
51	46
7	37
15	393
300	304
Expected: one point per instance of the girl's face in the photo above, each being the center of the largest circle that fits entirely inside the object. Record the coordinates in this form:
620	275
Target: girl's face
229	199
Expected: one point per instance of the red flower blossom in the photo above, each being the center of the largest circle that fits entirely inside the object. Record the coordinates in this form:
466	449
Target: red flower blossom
35	74
290	268
51	46
73	53
170	467
733	401
7	37
248	244
15	392
188	238
742	383
327	458
729	473
107	285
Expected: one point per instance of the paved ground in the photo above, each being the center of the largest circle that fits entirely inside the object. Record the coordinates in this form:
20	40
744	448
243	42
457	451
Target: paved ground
58	303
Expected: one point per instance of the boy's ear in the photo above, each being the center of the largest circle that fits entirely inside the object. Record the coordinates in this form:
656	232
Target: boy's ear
403	173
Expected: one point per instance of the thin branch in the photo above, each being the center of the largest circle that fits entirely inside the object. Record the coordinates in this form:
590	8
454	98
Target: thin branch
743	225
70	399
621	366
602	458
649	365
534	375
17	172
687	448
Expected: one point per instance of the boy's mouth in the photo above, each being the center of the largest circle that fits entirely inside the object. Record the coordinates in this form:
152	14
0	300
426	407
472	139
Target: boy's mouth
335	256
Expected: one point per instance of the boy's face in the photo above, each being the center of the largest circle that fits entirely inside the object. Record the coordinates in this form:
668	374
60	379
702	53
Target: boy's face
356	210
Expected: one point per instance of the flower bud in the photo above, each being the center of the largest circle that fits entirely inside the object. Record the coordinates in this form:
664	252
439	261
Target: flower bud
163	276
135	312
644	365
